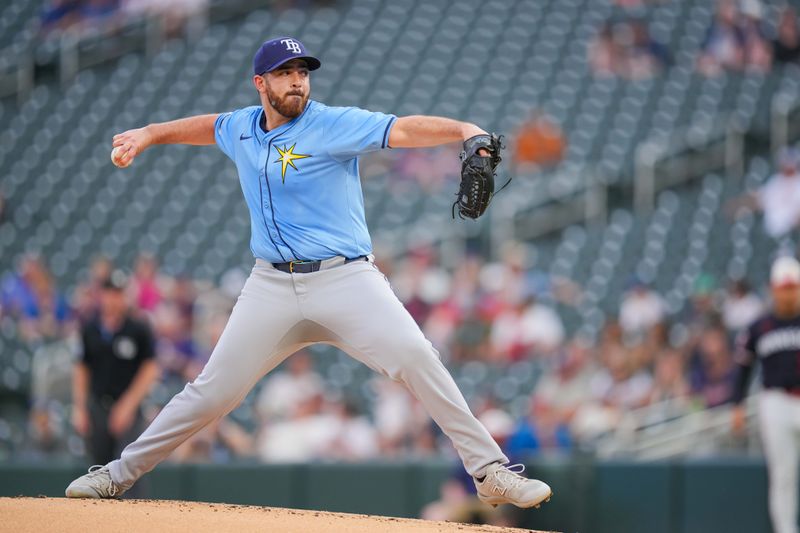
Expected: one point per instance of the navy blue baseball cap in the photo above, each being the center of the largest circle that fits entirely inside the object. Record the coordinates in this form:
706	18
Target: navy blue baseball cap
276	52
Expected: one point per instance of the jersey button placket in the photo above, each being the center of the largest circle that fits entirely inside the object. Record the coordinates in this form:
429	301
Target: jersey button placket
265	203
263	176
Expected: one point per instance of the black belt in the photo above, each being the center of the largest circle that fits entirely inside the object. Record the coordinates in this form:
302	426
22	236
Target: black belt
305	267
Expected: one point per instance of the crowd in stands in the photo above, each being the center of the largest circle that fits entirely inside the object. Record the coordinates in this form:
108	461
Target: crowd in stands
86	16
737	40
89	16
626	49
497	313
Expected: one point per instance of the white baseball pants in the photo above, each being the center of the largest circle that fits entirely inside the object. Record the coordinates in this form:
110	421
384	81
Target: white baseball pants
350	306
779	418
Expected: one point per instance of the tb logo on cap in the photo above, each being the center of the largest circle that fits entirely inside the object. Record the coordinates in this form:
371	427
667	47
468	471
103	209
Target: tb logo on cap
292	46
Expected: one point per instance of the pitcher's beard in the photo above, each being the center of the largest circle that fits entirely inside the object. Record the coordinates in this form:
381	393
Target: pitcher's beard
288	106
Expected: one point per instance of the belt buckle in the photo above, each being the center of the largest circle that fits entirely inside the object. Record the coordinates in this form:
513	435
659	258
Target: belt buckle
298	262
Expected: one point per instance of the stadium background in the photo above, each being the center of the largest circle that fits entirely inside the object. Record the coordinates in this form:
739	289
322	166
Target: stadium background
588	318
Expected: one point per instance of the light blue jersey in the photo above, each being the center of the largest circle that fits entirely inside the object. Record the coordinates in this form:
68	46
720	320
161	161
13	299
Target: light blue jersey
300	180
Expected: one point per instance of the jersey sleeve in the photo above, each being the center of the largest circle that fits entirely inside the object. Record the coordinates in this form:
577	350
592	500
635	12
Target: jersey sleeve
229	127
352	131
147	343
745	356
745	348
82	353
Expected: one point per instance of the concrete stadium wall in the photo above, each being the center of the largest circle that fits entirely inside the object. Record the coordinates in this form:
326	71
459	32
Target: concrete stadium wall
693	496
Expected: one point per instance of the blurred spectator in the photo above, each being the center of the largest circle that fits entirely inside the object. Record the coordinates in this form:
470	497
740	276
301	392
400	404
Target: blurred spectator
605	54
308	433
145	285
521	325
109	15
544	429
757	49
712	371
356	438
175	14
429	168
51	380
543	329
284	389
625	48
620	385
641	309
611	336
669	383
80	15
525	329
740	307
786	46
702	310
779	198
539	144
98	13
470	337
496	420
417	277
398	417
114	374
59	15
724	46
735	41
615	388
86	298
30	296
655	340
565	385
178	354
182	297
645	56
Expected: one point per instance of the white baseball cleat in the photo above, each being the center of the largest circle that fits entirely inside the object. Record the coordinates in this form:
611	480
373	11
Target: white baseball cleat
96	484
504	485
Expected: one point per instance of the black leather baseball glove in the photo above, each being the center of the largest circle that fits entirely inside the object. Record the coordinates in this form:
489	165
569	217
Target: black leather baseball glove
477	175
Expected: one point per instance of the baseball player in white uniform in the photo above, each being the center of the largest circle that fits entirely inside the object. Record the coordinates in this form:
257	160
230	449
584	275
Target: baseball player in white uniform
774	342
314	279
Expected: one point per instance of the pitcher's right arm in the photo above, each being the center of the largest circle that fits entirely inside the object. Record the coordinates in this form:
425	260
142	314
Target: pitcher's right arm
197	130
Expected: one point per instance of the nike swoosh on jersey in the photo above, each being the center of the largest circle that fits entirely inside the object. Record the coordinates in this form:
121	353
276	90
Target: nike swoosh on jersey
242	137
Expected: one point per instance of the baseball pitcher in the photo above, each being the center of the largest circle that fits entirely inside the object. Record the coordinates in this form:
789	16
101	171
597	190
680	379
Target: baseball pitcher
314	278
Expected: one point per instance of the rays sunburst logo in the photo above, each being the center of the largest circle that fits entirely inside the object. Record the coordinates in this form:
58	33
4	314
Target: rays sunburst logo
287	159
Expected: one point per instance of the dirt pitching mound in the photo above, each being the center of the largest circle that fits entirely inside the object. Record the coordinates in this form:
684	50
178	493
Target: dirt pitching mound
23	515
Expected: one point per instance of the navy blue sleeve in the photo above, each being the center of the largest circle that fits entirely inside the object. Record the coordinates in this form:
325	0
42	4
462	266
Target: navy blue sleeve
745	356
147	343
83	354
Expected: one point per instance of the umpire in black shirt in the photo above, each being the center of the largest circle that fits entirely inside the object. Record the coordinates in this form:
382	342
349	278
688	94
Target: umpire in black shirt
115	372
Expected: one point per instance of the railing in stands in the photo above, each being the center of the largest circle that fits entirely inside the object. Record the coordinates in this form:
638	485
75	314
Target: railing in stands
664	430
